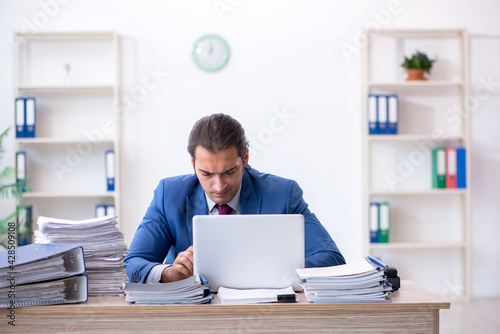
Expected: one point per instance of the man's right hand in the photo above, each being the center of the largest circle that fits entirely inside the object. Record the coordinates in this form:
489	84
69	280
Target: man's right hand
181	268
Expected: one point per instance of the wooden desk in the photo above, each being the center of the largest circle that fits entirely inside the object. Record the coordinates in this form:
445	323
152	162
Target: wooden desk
412	310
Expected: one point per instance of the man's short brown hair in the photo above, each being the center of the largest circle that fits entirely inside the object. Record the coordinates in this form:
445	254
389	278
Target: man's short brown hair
216	133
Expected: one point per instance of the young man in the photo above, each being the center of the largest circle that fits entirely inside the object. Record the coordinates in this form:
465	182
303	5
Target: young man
222	183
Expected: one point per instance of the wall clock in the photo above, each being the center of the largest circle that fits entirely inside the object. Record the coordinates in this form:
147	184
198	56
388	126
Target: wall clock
210	53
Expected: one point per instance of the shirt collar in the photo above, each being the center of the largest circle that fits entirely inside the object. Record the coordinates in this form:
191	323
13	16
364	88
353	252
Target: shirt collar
234	203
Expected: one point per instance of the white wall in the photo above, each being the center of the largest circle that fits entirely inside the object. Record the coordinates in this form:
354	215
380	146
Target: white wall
285	59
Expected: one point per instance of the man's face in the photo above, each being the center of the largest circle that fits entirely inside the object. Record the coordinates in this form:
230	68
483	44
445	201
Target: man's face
220	174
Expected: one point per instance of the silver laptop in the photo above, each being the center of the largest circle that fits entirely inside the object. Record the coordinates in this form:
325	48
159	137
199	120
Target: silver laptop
249	251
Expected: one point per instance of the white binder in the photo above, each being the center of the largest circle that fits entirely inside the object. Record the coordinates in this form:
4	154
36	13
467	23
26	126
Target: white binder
110	170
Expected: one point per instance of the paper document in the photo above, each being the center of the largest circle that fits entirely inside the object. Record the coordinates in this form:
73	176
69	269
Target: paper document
351	269
362	281
191	290
253	296
103	247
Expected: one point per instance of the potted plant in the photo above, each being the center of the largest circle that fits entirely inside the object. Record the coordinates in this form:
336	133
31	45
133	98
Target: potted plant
417	65
10	187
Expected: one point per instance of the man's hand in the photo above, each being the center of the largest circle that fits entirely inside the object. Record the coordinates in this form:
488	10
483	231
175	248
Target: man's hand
181	268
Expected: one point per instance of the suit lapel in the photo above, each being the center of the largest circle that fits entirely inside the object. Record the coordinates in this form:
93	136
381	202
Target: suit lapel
195	205
250	202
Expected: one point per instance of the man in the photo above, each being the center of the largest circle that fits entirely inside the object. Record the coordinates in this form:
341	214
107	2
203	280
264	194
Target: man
222	183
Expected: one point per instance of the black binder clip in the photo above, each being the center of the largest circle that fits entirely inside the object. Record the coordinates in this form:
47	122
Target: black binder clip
393	278
290	298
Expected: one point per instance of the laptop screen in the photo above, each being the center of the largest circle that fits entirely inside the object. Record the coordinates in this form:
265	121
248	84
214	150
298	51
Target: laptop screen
249	251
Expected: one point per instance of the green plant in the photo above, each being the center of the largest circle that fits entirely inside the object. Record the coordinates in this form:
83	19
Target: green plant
9	187
418	60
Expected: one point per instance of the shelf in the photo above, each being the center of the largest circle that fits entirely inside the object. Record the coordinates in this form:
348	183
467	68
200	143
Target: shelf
414	84
63	88
91	95
40	194
424	107
41	141
68	35
418	192
411	138
418	245
427	33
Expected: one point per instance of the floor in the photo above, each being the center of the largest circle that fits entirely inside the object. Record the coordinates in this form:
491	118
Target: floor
481	315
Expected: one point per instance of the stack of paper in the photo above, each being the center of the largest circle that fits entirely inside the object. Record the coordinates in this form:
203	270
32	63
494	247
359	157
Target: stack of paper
103	247
363	281
253	296
191	290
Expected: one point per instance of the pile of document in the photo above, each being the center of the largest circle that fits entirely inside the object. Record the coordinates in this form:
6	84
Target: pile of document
103	246
191	290
42	275
363	281
254	296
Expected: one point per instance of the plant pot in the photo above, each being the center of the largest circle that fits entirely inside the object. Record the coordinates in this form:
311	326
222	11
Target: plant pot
415	74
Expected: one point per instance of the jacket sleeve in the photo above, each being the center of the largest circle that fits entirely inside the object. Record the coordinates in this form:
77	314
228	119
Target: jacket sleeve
151	242
321	250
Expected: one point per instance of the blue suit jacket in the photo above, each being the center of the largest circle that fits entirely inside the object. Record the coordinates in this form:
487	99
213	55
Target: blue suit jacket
167	225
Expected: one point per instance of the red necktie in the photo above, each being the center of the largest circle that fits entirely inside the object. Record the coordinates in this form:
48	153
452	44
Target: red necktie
224	209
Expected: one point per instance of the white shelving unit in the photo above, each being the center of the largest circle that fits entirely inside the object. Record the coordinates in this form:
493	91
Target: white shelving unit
430	228
78	118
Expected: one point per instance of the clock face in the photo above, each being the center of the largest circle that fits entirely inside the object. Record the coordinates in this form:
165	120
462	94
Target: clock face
210	53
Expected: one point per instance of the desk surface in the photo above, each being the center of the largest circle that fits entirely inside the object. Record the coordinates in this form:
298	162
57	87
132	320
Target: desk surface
409	297
412	309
